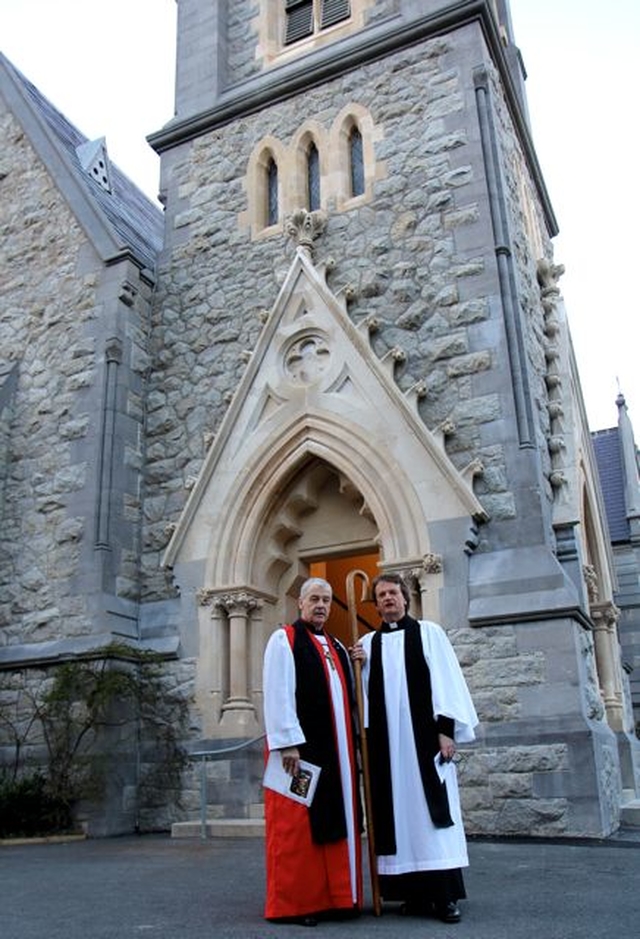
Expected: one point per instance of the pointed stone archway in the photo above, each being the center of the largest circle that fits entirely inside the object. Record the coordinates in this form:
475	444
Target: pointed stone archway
319	454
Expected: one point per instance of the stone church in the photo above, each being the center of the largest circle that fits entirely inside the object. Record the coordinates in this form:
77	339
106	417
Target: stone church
342	346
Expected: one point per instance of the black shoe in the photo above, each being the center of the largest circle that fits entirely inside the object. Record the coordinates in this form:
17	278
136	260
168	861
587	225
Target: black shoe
448	912
308	921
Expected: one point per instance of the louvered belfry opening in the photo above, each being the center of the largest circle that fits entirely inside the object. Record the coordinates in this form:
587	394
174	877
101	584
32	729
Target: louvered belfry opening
333	11
304	17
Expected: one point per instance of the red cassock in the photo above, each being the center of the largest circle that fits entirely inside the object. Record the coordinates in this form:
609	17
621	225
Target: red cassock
304	877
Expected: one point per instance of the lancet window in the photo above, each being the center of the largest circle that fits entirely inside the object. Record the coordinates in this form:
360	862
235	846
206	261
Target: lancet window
356	162
272	192
313	178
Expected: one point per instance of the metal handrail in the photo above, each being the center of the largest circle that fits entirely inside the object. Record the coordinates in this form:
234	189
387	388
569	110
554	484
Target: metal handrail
203	756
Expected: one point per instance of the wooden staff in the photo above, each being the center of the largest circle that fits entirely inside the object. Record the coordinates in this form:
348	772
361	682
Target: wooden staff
357	665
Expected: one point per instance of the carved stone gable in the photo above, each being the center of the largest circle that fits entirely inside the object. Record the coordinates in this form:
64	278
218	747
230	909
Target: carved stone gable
314	389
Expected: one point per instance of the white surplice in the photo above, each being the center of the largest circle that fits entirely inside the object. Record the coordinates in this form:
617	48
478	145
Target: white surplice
420	845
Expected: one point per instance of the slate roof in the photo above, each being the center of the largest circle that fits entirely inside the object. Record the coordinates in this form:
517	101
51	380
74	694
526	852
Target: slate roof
133	220
606	444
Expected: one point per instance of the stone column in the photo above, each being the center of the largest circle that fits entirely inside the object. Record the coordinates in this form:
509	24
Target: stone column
605	618
238	711
209	676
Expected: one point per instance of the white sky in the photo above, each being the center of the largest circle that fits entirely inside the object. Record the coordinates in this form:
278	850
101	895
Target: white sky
109	67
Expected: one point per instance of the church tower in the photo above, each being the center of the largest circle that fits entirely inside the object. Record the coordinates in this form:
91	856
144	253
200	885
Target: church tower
360	359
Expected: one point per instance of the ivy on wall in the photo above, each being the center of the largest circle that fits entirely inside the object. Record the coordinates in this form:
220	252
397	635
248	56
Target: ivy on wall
63	739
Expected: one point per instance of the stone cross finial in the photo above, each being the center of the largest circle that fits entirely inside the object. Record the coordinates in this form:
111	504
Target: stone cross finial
304	227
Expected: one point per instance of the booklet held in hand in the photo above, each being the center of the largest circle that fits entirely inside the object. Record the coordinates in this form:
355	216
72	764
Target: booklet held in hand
301	788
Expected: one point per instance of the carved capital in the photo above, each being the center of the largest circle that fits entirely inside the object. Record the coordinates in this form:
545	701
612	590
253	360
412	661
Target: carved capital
432	563
205	595
605	617
113	350
238	602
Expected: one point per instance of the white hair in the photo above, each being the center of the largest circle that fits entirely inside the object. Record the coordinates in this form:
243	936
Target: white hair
312	582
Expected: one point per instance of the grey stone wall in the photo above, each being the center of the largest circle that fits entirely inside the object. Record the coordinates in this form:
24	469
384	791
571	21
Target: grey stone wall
538	725
44	306
75	331
73	334
420	257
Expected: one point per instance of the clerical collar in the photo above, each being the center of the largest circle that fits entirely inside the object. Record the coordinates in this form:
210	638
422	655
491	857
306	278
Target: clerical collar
402	623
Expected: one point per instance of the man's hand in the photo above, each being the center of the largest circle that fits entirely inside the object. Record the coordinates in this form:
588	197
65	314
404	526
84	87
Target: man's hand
291	760
447	748
357	654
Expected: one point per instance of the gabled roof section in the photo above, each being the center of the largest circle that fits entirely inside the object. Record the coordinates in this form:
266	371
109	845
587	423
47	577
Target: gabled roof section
118	219
606	445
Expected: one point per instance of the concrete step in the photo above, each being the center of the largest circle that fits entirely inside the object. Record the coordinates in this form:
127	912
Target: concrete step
630	814
220	828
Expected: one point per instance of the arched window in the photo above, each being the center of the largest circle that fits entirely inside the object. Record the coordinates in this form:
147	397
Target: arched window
272	192
313	177
356	162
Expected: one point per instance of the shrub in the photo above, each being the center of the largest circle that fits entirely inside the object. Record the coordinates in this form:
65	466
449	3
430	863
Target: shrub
28	808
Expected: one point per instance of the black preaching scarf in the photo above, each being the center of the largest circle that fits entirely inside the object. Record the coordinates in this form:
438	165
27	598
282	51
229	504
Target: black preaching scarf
425	734
314	709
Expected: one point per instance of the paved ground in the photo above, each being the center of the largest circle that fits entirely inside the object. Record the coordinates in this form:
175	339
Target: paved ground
156	887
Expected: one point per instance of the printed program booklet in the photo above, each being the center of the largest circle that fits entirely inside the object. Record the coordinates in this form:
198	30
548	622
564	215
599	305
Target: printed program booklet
300	788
